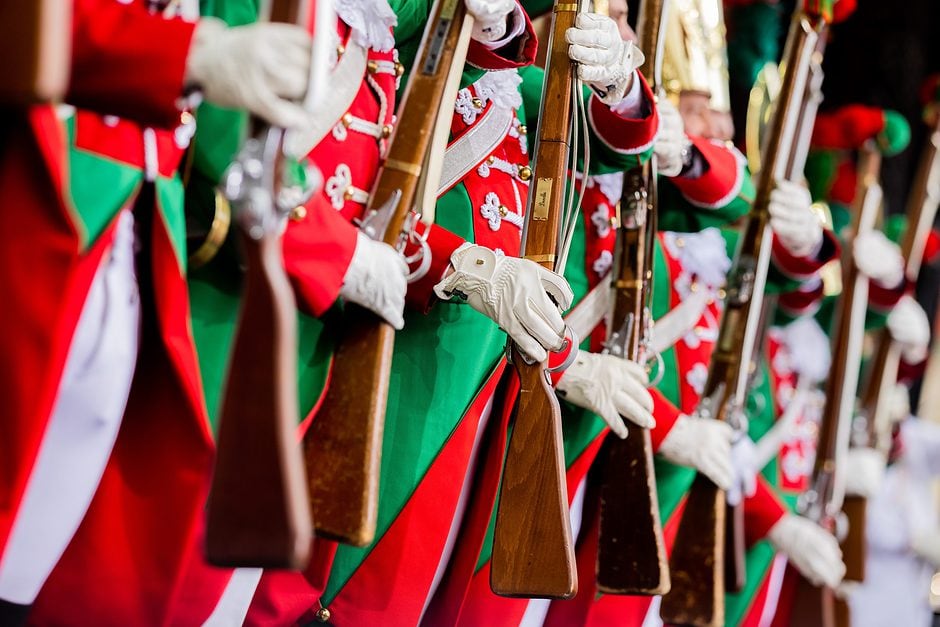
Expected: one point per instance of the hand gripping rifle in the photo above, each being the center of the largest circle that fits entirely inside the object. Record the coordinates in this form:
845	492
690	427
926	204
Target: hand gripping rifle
258	513
631	557
533	554
883	371
697	563
822	501
344	443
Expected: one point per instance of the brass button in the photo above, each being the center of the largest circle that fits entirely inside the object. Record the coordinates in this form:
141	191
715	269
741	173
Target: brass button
477	103
399	69
298	213
347	119
349	193
372	66
503	211
722	293
387	131
186	118
340	50
680	242
525	173
522	129
480	262
323	615
491	160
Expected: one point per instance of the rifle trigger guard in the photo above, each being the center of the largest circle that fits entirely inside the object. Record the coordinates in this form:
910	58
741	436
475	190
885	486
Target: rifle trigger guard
571	340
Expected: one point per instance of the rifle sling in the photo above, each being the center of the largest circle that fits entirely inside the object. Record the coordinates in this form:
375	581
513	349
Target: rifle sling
345	82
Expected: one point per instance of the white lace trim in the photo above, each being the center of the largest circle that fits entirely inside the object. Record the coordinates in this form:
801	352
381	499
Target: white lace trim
371	22
601	220
702	255
602	264
501	87
495	213
611	185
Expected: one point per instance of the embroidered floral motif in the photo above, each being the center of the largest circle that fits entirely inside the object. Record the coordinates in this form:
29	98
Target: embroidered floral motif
515	133
696	377
495	213
371	22
611	185
465	108
603	263
601	220
337	185
339	132
500	87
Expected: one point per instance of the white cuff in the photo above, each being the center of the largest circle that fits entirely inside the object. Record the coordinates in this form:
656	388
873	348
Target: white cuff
632	104
518	27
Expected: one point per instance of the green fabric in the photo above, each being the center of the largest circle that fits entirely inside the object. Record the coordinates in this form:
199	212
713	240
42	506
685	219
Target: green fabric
896	134
758	560
820	172
678	214
753	40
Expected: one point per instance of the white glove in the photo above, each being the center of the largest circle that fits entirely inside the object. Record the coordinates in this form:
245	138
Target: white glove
811	549
878	258
926	545
377	280
489	18
703	444
513	293
910	328
605	61
864	472
744	464
671	139
610	387
794	223
259	67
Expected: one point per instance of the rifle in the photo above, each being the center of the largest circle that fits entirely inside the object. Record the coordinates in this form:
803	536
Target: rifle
257	513
37	36
883	371
344	443
697	563
631	556
533	554
822	501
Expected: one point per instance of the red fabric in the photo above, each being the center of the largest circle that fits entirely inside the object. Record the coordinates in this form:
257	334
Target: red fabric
126	563
666	415
931	247
847	127
625	135
42	304
516	54
391	586
883	299
317	251
122	140
803	268
128	62
844	184
442	244
842	10
717	185
761	512
802	301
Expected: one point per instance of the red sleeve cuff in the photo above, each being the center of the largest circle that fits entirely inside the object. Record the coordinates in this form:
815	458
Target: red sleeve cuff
722	180
628	136
803	301
804	268
883	299
518	53
127	62
440	244
317	251
761	512
666	415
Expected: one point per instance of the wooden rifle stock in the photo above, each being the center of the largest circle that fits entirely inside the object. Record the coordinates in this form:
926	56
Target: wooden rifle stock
533	553
257	512
883	369
822	503
344	443
697	563
631	554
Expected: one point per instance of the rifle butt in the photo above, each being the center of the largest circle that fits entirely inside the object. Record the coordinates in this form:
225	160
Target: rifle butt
533	554
697	562
735	549
853	546
258	514
813	606
631	556
344	444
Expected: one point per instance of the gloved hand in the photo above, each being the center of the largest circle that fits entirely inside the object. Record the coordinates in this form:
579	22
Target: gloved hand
703	444
671	140
610	387
489	18
258	67
878	258
811	549
513	293
864	472
605	61
794	223
744	464
377	280
926	545
910	328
